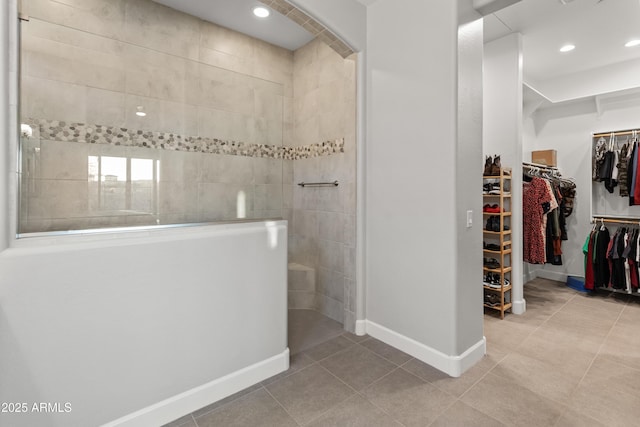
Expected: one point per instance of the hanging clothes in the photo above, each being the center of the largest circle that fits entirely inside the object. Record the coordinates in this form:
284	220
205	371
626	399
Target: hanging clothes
536	200
601	268
611	261
632	178
623	163
598	158
587	250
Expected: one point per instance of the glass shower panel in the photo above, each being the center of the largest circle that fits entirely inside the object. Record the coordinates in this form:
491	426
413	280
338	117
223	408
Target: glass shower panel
128	130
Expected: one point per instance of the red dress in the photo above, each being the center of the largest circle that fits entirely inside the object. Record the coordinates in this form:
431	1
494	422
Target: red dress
534	194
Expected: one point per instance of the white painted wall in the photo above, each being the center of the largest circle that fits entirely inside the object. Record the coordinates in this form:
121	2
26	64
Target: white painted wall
468	169
502	134
116	323
410	153
567	128
412	245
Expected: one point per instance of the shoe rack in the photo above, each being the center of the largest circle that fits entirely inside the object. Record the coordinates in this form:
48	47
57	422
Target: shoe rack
496	214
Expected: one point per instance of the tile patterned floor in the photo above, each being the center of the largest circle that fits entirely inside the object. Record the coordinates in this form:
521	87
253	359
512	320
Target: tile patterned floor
571	360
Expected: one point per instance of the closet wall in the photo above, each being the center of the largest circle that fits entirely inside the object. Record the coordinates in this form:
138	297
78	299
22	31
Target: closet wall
567	128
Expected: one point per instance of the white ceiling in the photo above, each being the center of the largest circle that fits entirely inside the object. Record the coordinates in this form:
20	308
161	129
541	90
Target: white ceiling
237	15
599	28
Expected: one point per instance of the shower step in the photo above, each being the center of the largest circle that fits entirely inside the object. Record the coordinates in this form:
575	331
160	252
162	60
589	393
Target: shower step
301	286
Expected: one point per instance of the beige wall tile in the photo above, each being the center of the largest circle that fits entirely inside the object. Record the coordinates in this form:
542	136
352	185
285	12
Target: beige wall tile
162	116
227	97
63	160
224	125
161	28
183	168
301	300
44	99
58	199
103	17
267	171
224	201
330	308
331	255
86	41
215	37
236	170
305	223
269	106
177	197
64	62
155	74
106	107
268	197
287	196
239	64
331	226
331	284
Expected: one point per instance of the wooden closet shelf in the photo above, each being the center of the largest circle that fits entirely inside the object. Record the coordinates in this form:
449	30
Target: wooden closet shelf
497	270
503	308
498	213
503	289
497	233
496	177
504	252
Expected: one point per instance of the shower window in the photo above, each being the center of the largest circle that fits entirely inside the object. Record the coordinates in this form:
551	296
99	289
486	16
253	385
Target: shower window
123	185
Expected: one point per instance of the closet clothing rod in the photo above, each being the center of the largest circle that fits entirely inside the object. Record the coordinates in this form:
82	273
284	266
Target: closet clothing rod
318	184
617	133
538	166
615	221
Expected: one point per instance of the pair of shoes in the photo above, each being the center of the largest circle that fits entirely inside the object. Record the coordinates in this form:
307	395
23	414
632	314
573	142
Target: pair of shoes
491	208
492	166
492	247
493	224
491	263
492	280
491	188
491	299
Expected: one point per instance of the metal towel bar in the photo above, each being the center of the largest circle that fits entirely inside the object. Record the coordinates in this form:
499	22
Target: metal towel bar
318	184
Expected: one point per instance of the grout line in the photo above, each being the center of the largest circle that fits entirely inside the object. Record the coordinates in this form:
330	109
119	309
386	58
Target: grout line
282	406
194	419
224	405
338	404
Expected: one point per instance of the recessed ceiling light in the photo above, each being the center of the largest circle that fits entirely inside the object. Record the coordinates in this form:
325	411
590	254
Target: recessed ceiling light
261	12
567	48
632	43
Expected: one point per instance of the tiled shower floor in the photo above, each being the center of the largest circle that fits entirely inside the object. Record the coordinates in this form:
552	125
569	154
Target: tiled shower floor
570	360
308	328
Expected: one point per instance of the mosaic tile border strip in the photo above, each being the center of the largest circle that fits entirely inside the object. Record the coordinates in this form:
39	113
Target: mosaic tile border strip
311	25
98	134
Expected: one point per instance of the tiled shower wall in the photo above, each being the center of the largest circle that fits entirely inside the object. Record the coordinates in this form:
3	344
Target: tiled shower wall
94	62
323	218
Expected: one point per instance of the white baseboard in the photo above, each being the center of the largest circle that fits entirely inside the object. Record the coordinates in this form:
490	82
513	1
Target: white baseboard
519	307
527	277
184	403
450	365
361	327
553	275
